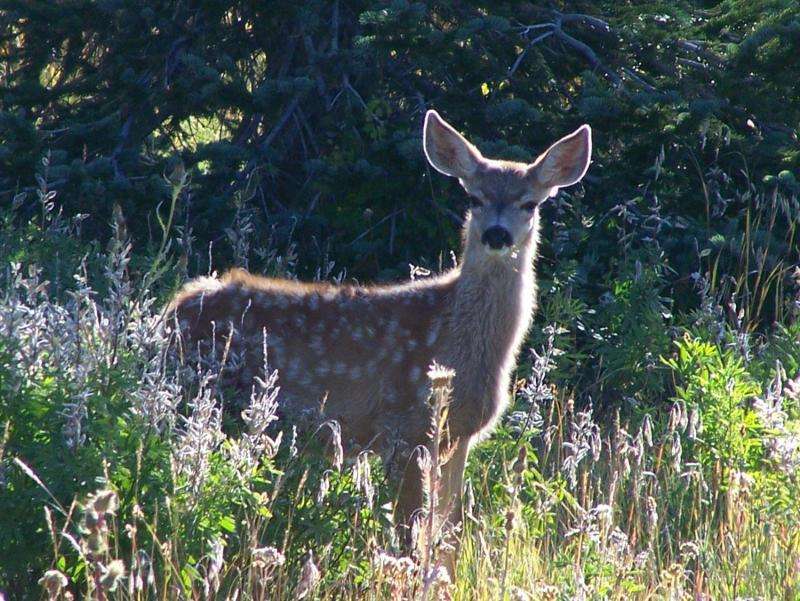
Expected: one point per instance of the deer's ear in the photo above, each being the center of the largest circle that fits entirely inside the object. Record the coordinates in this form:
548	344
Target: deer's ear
565	162
447	150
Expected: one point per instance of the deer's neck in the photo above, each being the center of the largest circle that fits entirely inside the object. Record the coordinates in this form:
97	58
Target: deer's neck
493	304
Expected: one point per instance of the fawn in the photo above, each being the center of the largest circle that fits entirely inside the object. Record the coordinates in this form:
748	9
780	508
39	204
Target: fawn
366	350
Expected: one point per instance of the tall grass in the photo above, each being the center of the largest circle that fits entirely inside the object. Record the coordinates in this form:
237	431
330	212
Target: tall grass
124	476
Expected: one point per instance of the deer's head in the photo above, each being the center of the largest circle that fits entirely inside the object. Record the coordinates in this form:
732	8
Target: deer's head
505	195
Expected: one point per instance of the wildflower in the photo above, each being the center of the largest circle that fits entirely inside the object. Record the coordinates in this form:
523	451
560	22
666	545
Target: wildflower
323	489
792	389
397	570
335	444
104	501
689	551
546	592
213	568
142	572
641	559
438	579
619	543
518	594
647	430
740	485
111	575
604	514
200	435
510	517
676	451
652	515
694	423
267	558
586	526
262	411
521	462
309	578
440	376
53	581
362	477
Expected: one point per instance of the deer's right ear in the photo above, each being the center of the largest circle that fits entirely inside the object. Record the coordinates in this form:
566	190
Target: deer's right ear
447	150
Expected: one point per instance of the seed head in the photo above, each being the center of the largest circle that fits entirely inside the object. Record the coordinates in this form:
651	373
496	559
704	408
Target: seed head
521	463
112	574
510	515
53	581
267	557
440	376
309	578
104	501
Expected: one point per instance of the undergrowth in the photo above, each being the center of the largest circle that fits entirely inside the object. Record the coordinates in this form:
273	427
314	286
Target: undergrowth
647	454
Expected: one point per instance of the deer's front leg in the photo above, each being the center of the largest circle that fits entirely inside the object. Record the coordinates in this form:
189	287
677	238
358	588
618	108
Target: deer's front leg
449	504
410	497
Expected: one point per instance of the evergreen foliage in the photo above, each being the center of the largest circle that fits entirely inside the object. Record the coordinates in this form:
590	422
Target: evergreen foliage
319	105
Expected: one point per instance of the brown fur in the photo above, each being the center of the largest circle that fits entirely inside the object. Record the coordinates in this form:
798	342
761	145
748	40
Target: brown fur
366	350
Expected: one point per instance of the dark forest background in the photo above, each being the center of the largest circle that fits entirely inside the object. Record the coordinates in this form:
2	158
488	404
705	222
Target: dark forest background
309	114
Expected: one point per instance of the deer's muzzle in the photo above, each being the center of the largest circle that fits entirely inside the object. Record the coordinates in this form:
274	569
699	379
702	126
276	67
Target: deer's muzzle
497	237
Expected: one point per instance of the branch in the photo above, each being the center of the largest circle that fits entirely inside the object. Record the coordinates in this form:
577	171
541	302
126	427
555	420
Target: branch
717	61
582	48
588	54
279	125
589	20
630	73
522	54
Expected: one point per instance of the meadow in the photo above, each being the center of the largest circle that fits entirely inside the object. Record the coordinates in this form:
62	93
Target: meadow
125	477
653	444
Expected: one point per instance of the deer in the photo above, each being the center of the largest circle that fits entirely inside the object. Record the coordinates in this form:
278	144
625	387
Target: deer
366	350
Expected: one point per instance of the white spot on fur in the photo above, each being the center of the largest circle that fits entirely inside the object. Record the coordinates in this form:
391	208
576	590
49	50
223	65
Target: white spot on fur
322	369
264	299
294	367
317	345
433	333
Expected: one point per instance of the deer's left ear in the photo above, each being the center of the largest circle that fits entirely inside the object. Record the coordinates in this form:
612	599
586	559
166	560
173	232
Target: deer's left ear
565	162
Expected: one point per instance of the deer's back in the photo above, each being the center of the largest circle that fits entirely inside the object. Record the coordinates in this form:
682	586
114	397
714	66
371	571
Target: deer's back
359	355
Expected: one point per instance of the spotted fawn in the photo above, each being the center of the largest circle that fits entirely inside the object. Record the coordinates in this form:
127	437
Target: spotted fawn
359	354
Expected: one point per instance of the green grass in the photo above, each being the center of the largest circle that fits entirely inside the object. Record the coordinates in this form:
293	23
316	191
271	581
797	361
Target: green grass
123	478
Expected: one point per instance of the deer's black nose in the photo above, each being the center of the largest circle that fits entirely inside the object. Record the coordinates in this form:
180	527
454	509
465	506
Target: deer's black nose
496	237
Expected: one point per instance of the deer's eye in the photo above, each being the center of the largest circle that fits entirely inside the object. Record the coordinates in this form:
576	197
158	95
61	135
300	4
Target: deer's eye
475	202
528	206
